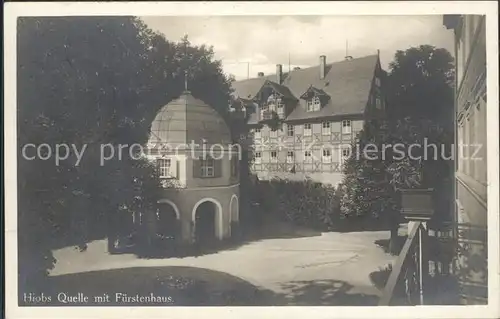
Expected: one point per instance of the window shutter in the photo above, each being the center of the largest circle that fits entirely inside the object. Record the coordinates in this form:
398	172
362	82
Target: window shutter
217	168
157	166
234	167
196	168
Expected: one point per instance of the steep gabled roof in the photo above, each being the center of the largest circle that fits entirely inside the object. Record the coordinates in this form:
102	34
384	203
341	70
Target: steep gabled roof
313	90
247	89
347	83
281	89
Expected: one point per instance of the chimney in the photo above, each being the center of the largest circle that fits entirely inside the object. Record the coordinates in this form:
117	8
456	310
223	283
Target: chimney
322	66
260	74
279	73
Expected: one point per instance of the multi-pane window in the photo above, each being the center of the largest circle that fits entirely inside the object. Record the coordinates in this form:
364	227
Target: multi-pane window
273	133
313	104
307	129
258	157
325	128
346	127
271	103
307	156
280	107
327	156
290	130
164	165
207	167
289	156
274	156
378	103
309	106
316	103
345	153
257	133
377	81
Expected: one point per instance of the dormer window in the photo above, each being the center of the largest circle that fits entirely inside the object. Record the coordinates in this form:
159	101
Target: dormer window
309	107
271	103
313	104
280	107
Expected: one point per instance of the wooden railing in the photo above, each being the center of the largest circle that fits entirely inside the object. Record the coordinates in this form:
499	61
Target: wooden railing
405	284
423	272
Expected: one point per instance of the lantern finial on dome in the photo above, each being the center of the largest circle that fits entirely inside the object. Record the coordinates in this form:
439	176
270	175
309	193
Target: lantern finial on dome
186	42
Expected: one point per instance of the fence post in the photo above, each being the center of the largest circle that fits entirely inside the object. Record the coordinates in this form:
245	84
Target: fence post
423	261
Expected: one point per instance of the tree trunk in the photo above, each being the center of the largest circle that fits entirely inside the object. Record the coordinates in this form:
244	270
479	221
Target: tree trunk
112	233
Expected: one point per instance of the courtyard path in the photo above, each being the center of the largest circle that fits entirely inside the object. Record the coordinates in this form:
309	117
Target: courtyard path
310	268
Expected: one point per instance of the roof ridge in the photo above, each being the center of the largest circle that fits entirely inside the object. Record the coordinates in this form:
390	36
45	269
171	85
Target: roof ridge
304	69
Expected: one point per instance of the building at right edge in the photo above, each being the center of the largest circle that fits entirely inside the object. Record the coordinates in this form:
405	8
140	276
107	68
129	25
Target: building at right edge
470	146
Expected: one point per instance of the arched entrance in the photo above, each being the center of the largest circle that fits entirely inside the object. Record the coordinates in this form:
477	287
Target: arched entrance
167	216
207	221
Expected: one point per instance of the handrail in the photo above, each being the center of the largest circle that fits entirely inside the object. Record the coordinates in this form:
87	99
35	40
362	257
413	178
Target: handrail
399	268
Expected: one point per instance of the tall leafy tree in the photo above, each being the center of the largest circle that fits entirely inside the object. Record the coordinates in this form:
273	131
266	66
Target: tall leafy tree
420	84
420	105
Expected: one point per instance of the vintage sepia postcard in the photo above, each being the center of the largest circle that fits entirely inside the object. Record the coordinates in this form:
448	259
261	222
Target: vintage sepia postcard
251	160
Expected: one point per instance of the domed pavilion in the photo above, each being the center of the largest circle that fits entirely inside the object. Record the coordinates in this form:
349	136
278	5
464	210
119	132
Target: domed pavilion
192	147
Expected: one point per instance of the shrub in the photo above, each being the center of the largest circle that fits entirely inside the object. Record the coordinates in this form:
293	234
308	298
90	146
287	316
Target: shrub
305	202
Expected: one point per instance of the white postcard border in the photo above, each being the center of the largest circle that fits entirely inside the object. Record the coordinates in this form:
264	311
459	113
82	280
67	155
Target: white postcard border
13	10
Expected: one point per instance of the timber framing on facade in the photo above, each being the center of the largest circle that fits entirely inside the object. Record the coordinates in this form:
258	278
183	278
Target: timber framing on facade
319	110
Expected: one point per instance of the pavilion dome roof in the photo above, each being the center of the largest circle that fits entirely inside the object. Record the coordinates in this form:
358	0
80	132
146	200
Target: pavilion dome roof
188	119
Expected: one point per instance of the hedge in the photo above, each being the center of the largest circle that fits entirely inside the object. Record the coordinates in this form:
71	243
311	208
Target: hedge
305	202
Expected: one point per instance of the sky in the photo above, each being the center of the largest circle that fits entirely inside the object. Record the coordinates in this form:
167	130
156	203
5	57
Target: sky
247	45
